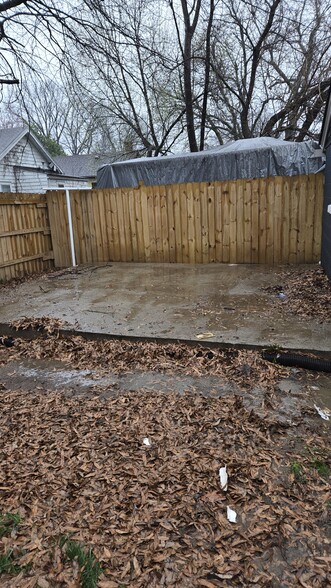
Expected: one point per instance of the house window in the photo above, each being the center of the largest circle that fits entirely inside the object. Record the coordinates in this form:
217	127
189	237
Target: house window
60	185
5	188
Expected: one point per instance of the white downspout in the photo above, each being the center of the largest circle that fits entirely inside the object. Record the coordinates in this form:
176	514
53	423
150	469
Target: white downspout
71	232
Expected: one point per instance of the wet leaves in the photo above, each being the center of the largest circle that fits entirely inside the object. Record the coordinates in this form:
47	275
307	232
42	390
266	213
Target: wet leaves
155	515
242	368
307	293
45	324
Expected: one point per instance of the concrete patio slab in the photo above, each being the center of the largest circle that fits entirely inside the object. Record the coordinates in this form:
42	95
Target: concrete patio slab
222	303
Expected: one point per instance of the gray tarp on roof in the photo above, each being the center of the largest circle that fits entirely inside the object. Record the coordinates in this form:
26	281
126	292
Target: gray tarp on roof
246	158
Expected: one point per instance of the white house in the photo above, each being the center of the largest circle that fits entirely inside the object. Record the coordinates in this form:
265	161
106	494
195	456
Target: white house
26	166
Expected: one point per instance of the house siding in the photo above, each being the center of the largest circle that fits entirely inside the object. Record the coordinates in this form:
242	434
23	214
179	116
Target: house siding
54	183
326	223
22	180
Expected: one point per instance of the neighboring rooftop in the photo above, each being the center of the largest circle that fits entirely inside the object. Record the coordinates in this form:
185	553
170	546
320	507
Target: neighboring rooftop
9	137
86	166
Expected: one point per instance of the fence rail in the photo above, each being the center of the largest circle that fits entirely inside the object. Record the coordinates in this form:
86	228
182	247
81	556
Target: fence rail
25	235
267	220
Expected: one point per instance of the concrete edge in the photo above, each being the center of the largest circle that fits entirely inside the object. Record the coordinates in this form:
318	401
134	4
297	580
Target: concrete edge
8	331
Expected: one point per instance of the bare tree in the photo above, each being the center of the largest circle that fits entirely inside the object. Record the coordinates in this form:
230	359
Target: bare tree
159	75
193	25
130	74
56	112
272	70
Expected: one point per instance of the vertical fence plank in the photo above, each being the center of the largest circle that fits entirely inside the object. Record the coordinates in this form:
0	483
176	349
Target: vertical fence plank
319	195
293	216
225	223
58	218
114	239
184	223
133	225
145	222
278	203
103	233
204	223
157	224
211	222
127	226
190	224
171	224
197	222
178	226
263	220
151	223
233	258
309	231
255	220
139	225
164	225
270	210
247	219
239	231
302	219
218	222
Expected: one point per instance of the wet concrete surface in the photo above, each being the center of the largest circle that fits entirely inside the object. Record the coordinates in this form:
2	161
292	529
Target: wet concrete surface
169	301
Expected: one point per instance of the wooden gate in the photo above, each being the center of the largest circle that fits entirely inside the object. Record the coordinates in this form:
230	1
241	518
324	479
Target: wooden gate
25	235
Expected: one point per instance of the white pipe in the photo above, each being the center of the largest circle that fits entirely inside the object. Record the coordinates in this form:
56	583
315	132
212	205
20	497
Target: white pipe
71	232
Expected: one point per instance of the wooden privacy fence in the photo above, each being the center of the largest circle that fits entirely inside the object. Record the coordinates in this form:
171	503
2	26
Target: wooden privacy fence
266	220
25	236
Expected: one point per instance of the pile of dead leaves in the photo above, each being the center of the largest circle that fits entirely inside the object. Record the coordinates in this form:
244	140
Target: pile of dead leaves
154	513
45	324
306	293
243	368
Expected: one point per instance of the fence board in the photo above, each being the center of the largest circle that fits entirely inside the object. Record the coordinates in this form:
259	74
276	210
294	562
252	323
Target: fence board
247	218
58	218
293	216
317	233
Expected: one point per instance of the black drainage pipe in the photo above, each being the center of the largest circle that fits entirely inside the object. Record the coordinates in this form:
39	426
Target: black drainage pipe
296	360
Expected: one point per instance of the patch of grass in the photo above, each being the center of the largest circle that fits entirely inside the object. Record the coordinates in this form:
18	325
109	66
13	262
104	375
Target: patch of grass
297	470
90	568
322	467
8	522
7	564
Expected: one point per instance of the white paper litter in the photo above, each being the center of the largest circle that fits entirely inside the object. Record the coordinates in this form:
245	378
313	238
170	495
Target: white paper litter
146	441
325	414
204	335
231	515
223	478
